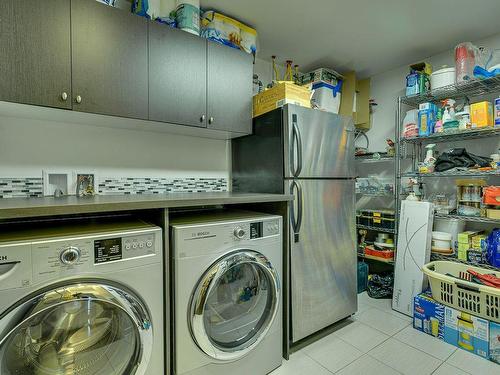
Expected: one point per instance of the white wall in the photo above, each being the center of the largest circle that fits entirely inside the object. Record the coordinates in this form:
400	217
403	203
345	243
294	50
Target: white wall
386	87
27	146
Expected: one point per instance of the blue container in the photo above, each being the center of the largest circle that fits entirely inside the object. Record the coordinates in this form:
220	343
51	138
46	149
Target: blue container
362	276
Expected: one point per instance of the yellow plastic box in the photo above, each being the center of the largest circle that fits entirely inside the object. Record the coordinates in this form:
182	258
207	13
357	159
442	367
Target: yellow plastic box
279	95
481	114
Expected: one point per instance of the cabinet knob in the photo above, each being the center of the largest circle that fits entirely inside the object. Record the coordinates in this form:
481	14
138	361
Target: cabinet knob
78	99
211	120
202	118
64	96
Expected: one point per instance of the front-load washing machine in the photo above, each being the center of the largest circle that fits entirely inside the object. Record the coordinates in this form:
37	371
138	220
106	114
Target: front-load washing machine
227	293
82	299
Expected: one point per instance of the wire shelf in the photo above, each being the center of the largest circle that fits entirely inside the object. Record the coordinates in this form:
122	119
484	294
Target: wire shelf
474	219
383	230
454	173
390	195
473	88
455	136
364	256
452	258
371	159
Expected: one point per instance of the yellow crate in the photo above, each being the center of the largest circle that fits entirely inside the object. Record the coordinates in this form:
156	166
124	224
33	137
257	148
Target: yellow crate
279	95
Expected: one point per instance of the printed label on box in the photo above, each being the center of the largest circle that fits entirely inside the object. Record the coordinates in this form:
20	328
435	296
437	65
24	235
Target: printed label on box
467	332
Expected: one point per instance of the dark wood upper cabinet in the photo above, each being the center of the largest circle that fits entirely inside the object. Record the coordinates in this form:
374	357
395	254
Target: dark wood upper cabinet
177	76
229	105
110	60
35	52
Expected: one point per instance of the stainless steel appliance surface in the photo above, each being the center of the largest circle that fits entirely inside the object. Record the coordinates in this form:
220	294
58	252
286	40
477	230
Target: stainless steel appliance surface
74	299
310	154
227	293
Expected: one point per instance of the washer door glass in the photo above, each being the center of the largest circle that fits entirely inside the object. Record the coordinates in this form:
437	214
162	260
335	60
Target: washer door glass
84	329
235	305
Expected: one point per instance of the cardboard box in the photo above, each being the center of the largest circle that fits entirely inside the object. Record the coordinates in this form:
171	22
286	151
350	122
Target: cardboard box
466	237
428	315
279	95
322	74
413	251
479	242
494	342
462	250
466	331
481	114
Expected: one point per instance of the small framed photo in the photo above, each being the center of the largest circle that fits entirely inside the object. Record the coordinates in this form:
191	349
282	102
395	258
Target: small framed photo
85	185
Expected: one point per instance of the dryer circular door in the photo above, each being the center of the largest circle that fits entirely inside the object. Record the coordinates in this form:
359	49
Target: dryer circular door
80	329
234	305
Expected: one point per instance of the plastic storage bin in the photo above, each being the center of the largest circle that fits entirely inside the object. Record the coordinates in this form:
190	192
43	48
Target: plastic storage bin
479	300
362	276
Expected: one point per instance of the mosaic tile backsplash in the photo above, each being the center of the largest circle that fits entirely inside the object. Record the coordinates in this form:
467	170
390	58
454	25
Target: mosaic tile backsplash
113	186
33	187
21	187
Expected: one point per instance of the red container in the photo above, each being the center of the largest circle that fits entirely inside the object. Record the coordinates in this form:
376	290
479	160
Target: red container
491	195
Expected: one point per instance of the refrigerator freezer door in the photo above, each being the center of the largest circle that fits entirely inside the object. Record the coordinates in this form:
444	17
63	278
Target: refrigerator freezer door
322	254
319	144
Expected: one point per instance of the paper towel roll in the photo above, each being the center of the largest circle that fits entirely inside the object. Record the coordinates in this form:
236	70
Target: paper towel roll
188	15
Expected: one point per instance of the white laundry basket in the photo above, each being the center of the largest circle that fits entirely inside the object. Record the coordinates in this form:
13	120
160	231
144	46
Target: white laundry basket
478	300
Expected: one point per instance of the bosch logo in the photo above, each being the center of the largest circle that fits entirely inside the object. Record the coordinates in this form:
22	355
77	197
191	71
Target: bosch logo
199	234
3	257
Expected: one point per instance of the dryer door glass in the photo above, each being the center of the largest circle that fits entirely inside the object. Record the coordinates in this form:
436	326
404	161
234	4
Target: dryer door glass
83	329
237	309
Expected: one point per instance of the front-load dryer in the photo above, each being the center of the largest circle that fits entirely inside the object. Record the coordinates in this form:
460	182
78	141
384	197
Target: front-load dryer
227	293
82	299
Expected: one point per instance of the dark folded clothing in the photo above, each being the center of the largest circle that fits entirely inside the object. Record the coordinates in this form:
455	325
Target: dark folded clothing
459	158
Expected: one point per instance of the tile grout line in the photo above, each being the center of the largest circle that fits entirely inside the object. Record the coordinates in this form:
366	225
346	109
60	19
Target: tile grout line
385	364
420	350
319	364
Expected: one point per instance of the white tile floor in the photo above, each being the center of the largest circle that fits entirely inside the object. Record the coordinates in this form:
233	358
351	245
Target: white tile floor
379	340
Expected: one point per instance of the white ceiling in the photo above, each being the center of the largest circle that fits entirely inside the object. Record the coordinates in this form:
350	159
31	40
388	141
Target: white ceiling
369	36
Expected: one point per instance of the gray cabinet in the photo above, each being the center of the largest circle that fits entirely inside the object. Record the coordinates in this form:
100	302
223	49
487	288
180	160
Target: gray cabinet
229	104
110	60
177	76
35	52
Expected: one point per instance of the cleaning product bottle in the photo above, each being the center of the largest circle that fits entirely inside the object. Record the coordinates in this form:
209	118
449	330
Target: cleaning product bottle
465	328
430	160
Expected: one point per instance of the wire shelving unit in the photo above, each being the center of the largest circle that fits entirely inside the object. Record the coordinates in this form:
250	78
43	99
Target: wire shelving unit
412	148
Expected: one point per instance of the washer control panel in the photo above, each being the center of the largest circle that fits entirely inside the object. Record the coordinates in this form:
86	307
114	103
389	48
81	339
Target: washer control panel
256	229
81	255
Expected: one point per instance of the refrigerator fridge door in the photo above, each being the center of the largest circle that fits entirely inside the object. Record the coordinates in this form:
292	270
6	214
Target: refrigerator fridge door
319	144
322	254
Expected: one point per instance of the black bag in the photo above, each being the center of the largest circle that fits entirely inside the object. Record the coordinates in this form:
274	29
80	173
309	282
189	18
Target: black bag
380	286
459	158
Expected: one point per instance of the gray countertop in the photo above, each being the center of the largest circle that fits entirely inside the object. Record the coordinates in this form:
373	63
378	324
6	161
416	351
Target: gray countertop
12	208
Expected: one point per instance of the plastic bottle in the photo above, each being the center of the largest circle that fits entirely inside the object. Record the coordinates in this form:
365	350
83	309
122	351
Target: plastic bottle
464	62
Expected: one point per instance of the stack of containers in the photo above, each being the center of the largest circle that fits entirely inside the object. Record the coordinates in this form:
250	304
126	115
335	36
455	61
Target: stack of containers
326	85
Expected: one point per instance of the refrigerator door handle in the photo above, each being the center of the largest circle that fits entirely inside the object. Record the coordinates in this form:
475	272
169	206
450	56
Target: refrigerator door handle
296	220
295	168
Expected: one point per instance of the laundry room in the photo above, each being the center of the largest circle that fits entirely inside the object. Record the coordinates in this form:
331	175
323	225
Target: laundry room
201	187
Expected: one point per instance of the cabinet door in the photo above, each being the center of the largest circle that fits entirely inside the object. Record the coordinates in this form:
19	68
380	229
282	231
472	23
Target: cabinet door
177	76
110	60
35	52
229	95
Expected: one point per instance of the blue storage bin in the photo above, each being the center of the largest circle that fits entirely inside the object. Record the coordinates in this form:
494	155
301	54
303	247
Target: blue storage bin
362	276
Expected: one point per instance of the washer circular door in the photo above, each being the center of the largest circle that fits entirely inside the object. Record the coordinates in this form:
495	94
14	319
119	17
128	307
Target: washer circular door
234	305
87	329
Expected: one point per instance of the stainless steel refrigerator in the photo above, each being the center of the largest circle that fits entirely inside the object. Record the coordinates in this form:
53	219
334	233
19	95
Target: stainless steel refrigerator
310	154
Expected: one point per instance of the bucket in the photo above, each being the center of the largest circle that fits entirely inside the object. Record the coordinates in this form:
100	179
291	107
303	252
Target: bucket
451	226
188	16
